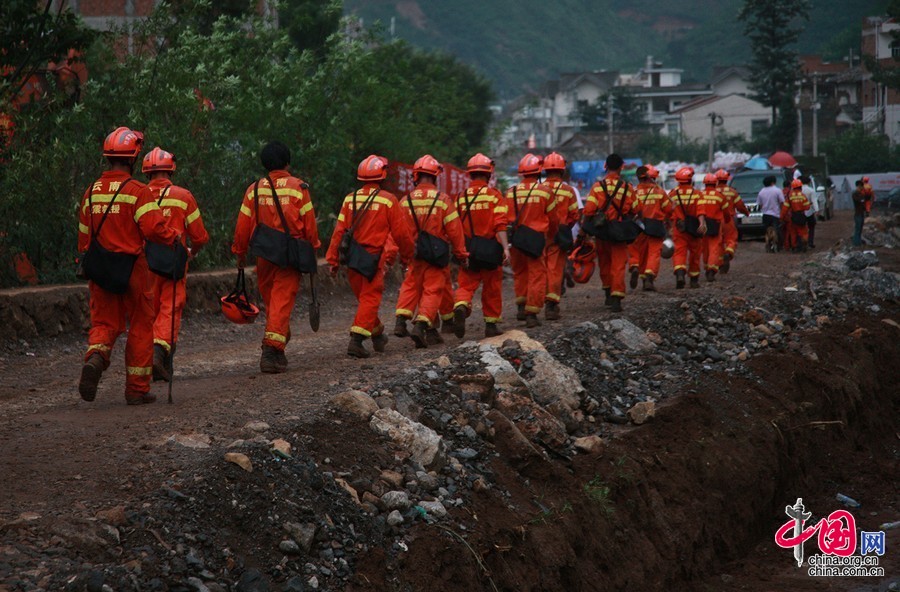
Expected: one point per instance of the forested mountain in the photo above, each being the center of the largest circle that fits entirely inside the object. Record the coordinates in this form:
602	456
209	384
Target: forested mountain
520	43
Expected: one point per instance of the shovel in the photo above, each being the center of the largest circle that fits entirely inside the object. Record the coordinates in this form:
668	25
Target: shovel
313	304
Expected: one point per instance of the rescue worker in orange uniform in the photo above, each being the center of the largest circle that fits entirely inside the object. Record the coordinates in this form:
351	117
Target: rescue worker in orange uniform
434	220
278	285
644	253
180	210
118	213
483	213
533	224
733	204
712	204
795	207
557	255
371	218
614	198
870	193
687	234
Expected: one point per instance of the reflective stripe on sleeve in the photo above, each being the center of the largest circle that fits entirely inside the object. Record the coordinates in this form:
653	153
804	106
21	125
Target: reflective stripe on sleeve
147	207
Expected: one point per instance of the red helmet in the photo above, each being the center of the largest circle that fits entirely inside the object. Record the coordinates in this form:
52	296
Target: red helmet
722	176
652	172
796	184
123	143
530	165
865	179
427	165
236	306
480	164
583	260
372	168
554	162
709	179
158	160
684	175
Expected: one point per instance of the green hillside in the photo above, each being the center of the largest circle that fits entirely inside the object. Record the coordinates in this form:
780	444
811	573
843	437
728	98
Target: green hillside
520	43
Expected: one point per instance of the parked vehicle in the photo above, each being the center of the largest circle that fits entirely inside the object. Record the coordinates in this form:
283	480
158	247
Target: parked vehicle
748	184
889	200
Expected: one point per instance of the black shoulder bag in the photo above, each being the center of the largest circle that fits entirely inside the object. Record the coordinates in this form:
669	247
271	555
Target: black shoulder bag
690	224
654	228
528	240
167	261
429	248
798	218
563	239
484	253
353	254
108	269
595	224
277	246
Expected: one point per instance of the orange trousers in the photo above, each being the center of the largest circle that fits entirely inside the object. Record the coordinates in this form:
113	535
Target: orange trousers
712	251
422	291
447	302
789	238
556	269
687	252
529	280
109	315
644	255
164	309
613	259
729	237
799	233
278	287
491	292
368	294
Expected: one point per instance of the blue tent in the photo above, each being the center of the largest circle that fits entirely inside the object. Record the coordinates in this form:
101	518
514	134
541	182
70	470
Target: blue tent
758	163
586	171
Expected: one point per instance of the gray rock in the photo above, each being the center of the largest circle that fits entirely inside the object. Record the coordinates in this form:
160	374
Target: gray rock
396	500
555	382
304	534
858	261
505	376
197	584
424	445
435	509
432	375
395	518
629	335
289	547
295	584
252	580
466	453
607	364
357	403
427	481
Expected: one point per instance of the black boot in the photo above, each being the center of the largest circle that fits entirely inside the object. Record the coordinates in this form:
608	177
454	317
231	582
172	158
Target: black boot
616	305
695	281
679	279
160	364
400	329
531	321
710	275
727	264
418	334
648	284
634	278
356	349
90	376
520	312
272	360
459	321
448	326
491	330
608	300
551	310
379	342
433	337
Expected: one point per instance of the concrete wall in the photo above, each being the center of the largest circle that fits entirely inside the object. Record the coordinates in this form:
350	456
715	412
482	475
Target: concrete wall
737	113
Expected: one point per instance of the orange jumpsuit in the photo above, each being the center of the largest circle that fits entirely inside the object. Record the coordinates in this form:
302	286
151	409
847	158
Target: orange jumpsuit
567	212
733	204
687	247
796	202
644	253
180	210
870	193
612	257
278	286
424	285
531	204
133	217
483	209
712	205
383	222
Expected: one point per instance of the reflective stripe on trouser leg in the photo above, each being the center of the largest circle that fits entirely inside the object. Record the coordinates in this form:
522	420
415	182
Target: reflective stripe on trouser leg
556	267
283	284
618	261
369	294
139	344
163	311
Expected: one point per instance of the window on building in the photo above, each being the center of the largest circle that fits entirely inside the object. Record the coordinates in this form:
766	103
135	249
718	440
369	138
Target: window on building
758	128
895	50
672	130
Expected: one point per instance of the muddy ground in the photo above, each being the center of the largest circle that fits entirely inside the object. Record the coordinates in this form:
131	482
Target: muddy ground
762	395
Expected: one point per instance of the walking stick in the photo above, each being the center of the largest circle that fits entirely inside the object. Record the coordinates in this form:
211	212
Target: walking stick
172	341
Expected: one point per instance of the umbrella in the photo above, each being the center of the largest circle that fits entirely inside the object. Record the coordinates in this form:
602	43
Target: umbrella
758	163
783	160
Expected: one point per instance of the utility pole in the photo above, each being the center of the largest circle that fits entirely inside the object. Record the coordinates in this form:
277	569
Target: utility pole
609	117
815	115
712	140
799	148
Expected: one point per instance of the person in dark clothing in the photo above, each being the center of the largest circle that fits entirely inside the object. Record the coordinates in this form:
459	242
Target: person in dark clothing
859	212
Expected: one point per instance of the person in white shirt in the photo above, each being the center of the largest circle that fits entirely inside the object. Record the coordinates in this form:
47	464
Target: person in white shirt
813	211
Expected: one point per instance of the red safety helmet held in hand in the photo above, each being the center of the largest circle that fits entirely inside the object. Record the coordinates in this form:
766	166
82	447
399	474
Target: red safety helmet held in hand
480	164
530	165
372	168
158	160
124	143
722	176
583	260
427	165
236	306
796	184
684	175
554	162
709	179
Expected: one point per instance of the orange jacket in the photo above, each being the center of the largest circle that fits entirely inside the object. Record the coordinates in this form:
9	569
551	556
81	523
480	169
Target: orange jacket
533	207
797	201
436	215
487	208
384	220
133	217
566	203
711	204
623	198
295	202
733	200
653	201
685	200
180	210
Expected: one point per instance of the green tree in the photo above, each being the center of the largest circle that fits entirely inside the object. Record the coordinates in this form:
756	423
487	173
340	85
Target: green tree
772	26
856	151
310	22
627	112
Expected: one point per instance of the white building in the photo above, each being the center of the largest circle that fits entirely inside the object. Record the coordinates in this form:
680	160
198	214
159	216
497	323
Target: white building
734	113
